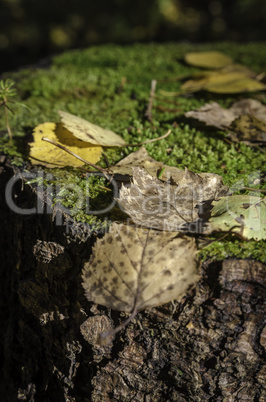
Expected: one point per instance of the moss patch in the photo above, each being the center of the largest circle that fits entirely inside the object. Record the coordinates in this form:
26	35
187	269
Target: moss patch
110	85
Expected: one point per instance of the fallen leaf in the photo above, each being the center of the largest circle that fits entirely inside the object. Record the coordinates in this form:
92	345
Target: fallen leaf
249	129
133	268
153	203
246	117
139	158
167	173
249	106
43	153
210	59
223	82
233	84
212	114
89	132
246	212
136	158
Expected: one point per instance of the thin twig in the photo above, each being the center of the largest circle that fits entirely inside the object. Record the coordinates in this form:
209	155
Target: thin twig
253	189
148	141
75	155
104	188
148	112
104	171
7	122
110	334
106	160
230	231
235	145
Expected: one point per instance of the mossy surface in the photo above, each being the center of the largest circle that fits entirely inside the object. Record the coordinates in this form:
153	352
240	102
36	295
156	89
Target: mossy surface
110	85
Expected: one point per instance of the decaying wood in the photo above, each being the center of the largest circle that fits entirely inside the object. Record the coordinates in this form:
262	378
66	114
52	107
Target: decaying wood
210	346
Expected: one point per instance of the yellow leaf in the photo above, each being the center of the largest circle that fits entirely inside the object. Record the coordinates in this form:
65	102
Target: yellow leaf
224	82
86	131
233	84
208	59
43	153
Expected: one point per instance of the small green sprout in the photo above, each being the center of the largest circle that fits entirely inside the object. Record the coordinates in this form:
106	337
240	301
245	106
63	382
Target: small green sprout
6	92
161	173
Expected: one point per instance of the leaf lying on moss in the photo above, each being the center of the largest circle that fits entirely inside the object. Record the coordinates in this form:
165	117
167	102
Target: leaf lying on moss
210	59
166	173
132	268
155	204
223	82
249	106
43	153
212	114
89	132
246	212
246	117
139	158
249	129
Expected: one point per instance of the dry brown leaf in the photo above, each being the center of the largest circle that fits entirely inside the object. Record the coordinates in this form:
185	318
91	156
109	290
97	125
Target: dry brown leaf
136	158
249	106
152	203
167	173
212	114
140	158
249	129
133	268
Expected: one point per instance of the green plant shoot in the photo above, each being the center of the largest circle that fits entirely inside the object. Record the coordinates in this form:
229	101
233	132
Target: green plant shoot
6	92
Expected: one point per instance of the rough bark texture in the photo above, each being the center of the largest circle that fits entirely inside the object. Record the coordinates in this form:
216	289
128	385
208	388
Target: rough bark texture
210	346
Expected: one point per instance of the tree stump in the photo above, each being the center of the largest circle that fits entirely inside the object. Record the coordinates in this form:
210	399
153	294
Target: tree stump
209	346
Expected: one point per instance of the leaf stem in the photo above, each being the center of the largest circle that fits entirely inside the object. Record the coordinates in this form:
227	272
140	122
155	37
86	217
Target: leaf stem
110	334
6	121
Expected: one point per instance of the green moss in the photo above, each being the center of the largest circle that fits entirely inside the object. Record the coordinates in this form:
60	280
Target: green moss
86	198
109	85
234	247
11	150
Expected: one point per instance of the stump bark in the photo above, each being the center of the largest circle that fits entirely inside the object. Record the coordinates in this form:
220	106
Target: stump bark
209	346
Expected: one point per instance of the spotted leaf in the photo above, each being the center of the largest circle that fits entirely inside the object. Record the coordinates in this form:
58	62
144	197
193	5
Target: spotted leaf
133	268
